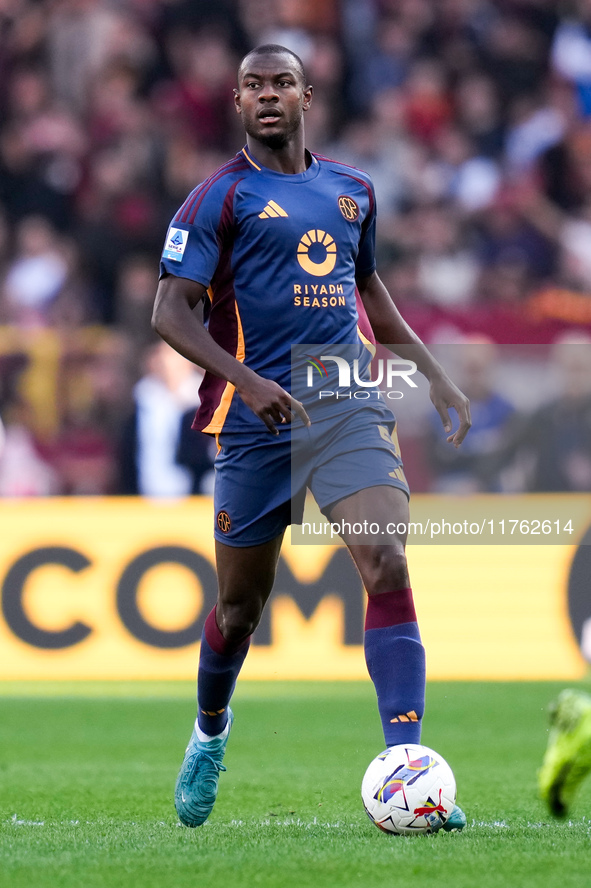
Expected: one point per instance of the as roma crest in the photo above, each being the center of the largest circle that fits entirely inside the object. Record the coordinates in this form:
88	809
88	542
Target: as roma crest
349	208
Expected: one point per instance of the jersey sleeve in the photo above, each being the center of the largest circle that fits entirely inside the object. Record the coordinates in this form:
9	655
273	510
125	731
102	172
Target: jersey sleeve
192	245
365	263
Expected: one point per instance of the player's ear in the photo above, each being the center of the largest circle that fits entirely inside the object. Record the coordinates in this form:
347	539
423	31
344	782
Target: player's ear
237	100
308	93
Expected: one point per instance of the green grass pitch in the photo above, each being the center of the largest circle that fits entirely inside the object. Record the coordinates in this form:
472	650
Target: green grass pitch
87	774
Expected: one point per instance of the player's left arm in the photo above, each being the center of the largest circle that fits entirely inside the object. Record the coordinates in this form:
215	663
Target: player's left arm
390	329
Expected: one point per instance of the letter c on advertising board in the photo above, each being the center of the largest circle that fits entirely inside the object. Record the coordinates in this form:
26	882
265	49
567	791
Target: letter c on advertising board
12	598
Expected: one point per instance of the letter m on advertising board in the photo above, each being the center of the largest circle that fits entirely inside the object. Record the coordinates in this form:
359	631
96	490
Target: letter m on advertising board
339	578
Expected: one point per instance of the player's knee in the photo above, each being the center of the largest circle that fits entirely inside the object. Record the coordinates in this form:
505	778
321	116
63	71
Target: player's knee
238	621
384	570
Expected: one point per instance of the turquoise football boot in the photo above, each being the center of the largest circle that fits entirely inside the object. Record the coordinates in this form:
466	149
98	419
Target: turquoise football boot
456	820
568	755
197	784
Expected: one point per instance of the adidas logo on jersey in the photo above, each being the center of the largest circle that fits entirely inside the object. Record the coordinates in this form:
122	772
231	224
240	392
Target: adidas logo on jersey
272	210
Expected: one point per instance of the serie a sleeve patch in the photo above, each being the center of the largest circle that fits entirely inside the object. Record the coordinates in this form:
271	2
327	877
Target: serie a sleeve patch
175	244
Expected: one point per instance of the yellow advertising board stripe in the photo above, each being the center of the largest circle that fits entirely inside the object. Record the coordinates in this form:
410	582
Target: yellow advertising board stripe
118	588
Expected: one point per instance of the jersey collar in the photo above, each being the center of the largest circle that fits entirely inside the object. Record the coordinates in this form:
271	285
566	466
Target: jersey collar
310	173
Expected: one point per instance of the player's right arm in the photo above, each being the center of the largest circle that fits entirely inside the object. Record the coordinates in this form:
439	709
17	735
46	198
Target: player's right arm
175	320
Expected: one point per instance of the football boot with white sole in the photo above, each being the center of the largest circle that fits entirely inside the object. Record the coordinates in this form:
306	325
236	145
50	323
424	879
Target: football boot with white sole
197	783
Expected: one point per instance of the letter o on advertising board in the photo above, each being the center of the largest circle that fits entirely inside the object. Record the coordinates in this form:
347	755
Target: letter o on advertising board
579	595
128	587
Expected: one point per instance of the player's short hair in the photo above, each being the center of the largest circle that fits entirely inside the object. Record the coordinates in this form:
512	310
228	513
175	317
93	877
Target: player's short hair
273	49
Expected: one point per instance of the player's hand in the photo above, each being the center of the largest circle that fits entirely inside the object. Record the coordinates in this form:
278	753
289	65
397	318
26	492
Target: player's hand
444	395
271	403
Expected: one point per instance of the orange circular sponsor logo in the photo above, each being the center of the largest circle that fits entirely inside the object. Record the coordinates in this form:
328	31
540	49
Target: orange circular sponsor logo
224	522
349	208
312	266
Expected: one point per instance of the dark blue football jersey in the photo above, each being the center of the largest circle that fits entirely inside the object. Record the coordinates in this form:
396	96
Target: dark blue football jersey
279	255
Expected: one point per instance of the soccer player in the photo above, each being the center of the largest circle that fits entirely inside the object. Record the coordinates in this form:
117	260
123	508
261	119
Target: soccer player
567	760
279	244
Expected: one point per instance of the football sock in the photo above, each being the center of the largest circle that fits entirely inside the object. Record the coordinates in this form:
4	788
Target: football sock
205	738
220	661
395	660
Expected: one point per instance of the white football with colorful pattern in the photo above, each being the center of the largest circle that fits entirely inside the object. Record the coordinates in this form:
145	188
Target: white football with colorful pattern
409	789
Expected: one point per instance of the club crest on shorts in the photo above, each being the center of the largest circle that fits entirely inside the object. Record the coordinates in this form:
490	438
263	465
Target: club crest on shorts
223	521
349	208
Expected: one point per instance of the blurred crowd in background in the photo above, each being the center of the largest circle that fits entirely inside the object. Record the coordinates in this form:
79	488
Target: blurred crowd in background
473	118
